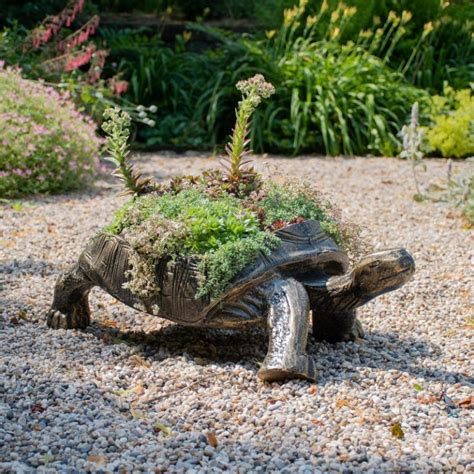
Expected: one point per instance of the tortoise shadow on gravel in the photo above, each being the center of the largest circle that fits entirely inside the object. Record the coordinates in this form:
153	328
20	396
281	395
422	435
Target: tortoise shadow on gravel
224	347
220	346
29	266
389	351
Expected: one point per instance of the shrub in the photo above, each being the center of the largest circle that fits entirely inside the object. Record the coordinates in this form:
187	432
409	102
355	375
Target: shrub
47	146
330	97
452	131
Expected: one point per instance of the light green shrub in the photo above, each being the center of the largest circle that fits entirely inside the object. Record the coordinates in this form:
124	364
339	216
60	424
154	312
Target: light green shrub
452	132
46	145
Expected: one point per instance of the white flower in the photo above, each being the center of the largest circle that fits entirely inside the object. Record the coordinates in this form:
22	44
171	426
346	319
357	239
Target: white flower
140	108
153	109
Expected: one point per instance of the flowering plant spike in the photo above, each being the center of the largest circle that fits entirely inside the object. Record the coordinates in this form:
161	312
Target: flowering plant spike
253	90
116	125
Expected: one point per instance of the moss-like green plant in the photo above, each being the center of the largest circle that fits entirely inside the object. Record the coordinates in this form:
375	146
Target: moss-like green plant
221	265
288	203
224	233
220	232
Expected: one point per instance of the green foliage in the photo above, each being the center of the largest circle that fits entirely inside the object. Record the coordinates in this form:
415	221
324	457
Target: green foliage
47	146
341	98
223	264
330	97
116	126
284	203
223	232
191	223
452	131
209	222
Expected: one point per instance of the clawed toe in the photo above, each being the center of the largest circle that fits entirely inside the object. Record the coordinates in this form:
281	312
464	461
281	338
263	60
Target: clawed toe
55	319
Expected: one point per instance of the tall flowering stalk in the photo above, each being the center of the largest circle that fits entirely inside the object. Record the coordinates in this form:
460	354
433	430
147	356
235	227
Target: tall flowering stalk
116	125
253	90
77	59
412	136
52	24
97	66
73	50
81	35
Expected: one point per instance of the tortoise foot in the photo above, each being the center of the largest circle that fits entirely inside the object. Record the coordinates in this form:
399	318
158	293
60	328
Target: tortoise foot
303	368
337	327
77	318
353	334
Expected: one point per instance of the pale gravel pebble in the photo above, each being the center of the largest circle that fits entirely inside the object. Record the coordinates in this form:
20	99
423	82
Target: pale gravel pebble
66	403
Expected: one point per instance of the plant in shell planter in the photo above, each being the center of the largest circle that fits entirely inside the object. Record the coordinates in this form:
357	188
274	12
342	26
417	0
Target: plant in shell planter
227	249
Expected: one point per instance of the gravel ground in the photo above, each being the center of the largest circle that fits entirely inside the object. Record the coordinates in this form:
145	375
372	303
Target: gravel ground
134	393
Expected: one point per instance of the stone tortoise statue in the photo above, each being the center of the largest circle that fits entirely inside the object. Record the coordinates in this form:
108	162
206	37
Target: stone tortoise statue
308	271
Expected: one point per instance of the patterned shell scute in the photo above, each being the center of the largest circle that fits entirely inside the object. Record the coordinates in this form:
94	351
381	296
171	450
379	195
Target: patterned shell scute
304	246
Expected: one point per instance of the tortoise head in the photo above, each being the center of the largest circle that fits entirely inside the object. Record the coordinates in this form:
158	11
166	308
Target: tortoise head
384	271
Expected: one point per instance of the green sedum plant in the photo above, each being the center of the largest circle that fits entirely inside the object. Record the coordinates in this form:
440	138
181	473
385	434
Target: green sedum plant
46	145
222	221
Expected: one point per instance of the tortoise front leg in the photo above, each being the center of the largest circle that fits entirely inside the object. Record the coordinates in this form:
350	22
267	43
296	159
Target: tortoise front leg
70	308
288	323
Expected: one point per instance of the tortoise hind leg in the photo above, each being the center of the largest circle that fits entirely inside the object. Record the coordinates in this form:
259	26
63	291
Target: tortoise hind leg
288	323
70	308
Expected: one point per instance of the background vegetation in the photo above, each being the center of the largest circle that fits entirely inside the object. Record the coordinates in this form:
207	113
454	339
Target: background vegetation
346	74
46	144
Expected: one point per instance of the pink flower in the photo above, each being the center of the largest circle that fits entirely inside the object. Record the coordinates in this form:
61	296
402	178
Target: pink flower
78	61
51	26
118	87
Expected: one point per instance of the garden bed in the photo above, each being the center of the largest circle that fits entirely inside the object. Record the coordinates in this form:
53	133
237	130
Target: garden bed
109	396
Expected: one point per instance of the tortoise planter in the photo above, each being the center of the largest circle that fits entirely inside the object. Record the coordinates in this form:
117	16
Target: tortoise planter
307	272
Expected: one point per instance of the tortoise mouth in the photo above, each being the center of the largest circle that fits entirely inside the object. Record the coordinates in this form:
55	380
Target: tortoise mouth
397	272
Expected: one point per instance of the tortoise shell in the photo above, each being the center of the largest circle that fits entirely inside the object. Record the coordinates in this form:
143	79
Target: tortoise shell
304	248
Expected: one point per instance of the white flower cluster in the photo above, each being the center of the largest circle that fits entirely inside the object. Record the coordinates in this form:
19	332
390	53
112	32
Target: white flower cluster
143	116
